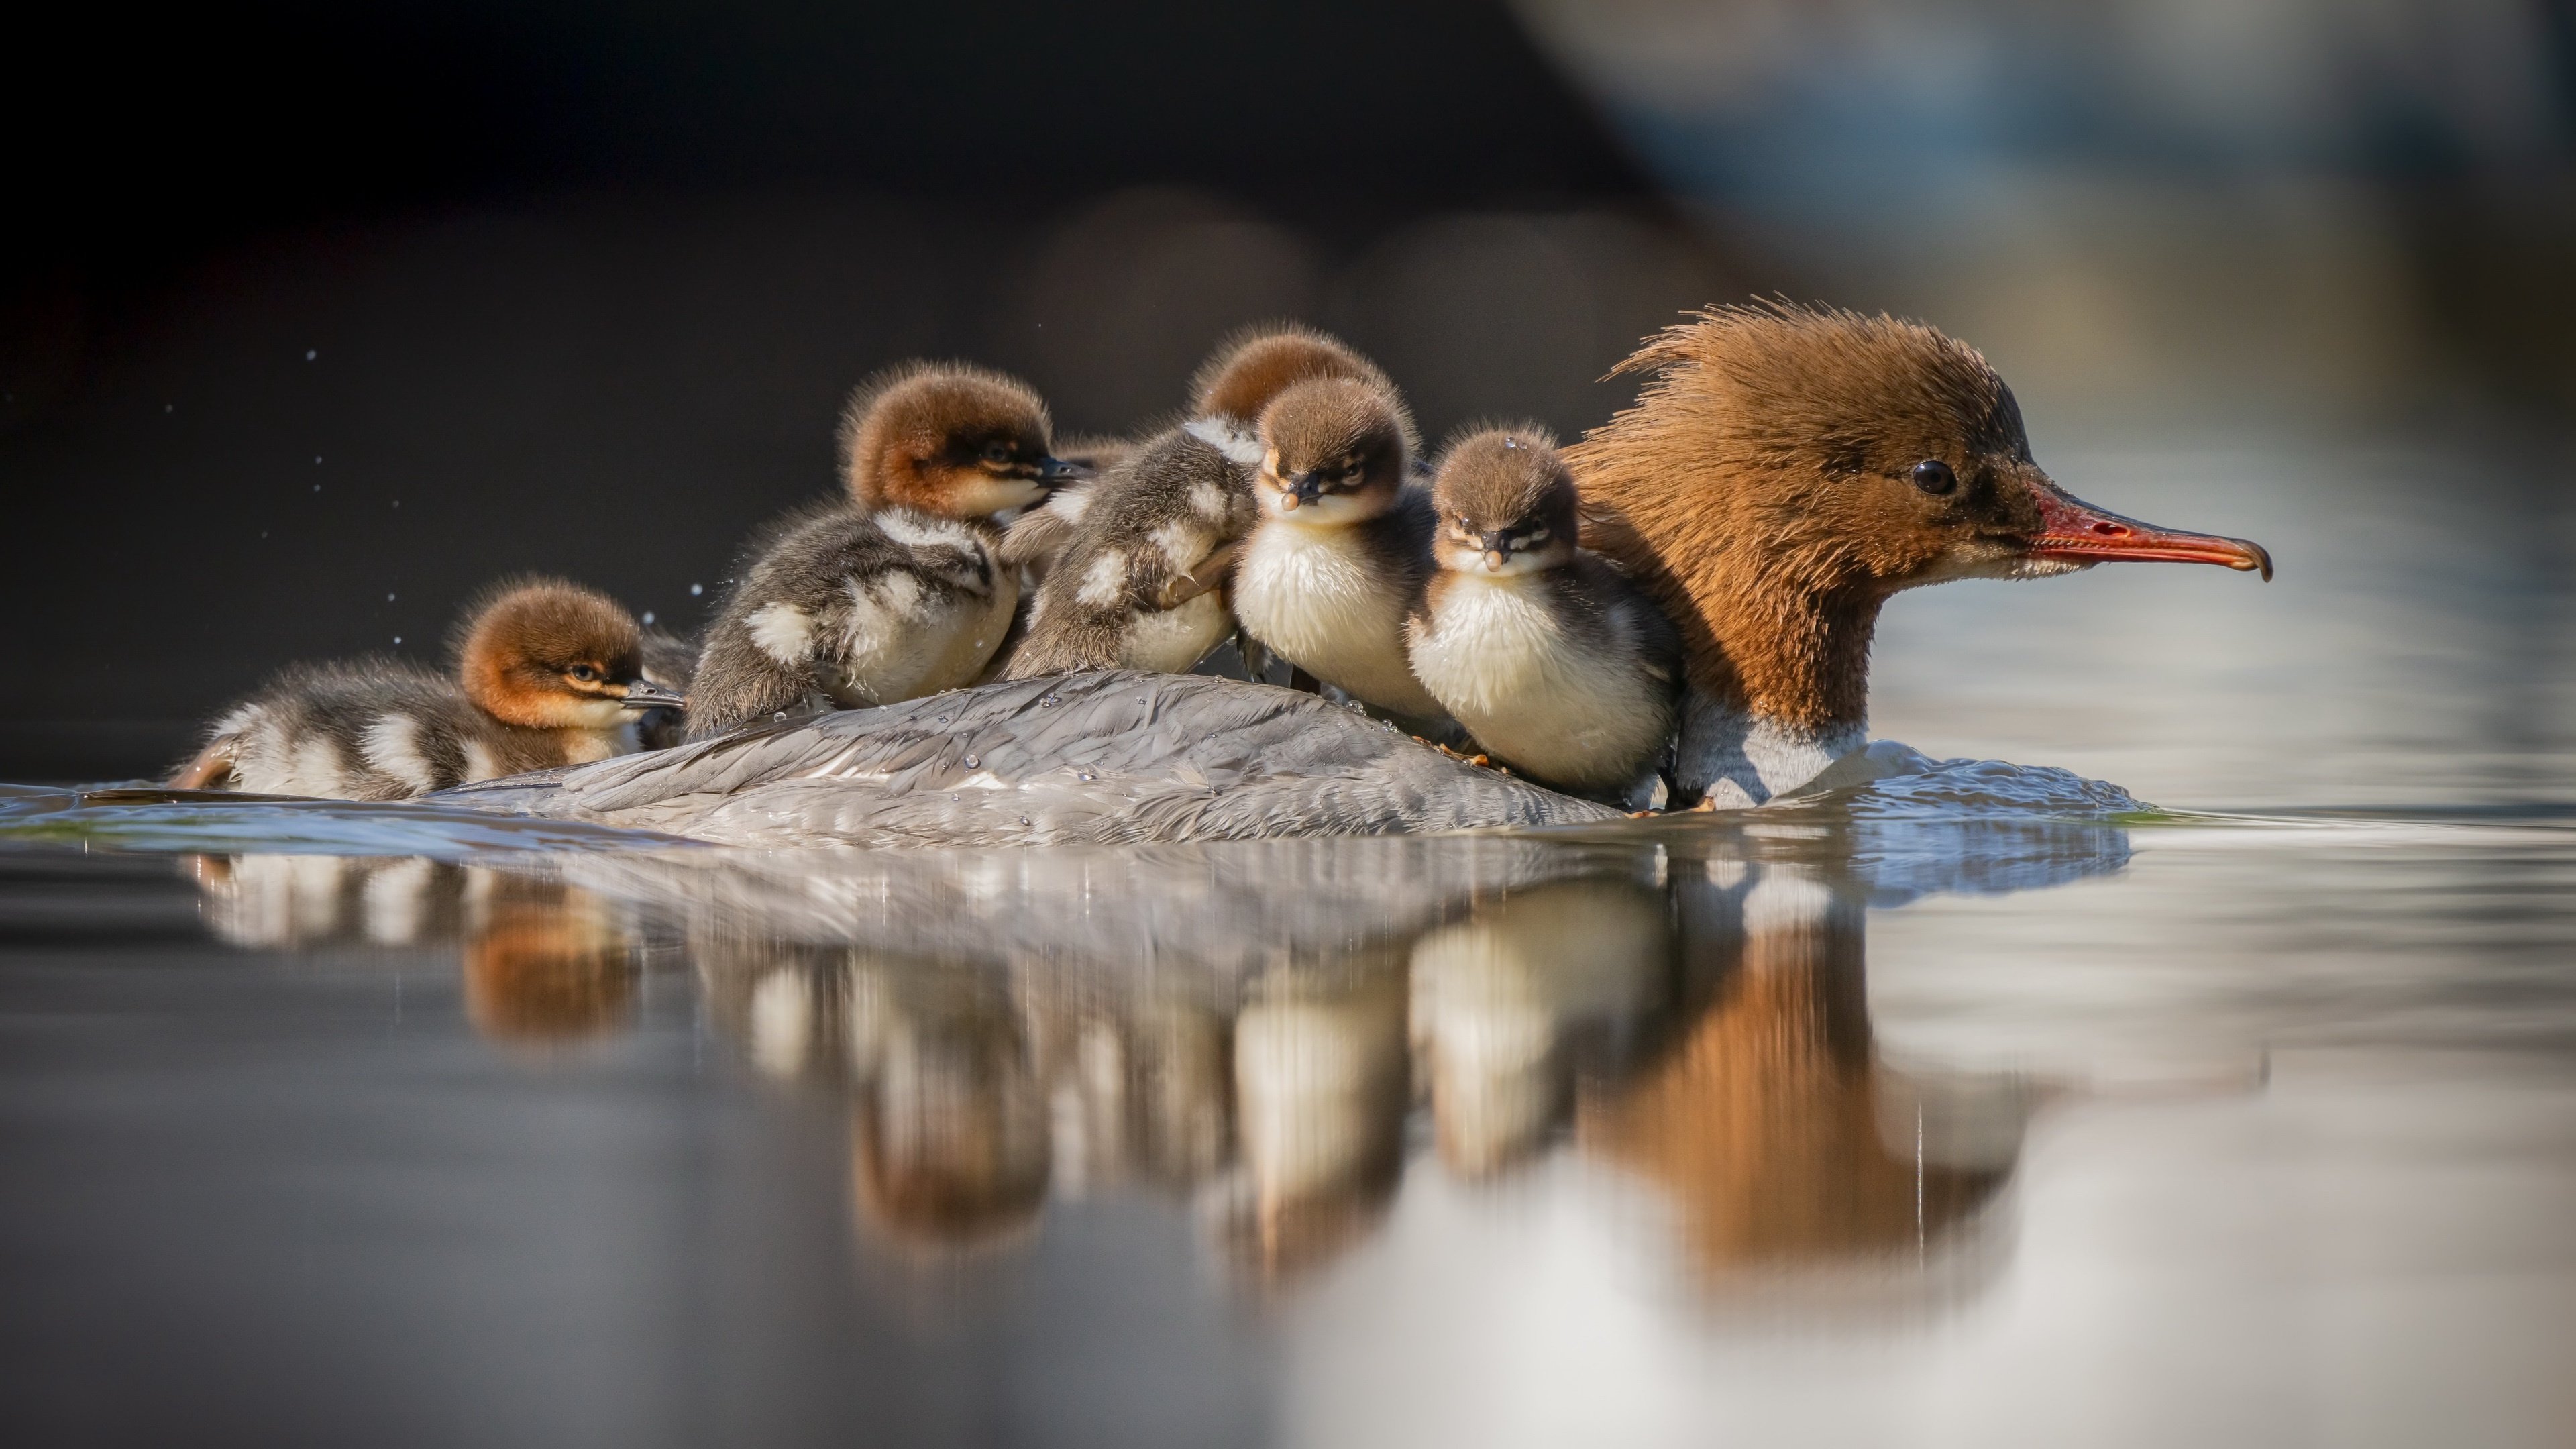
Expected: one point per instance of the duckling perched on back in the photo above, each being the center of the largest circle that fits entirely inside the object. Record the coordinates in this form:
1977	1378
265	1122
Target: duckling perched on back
1558	665
1339	558
548	673
1136	583
898	592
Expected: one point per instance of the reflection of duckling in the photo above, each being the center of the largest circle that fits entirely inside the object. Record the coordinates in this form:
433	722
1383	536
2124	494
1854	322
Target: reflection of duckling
897	593
1339	557
547	963
1557	664
1321	1088
1138	581
950	1137
1501	1000
551	674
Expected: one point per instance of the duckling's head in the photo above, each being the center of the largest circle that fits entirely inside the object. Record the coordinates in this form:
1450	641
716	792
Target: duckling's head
1250	368
553	655
948	439
1506	502
1334	452
1866	451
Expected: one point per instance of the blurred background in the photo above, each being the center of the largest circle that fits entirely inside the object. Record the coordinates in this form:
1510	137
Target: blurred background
316	317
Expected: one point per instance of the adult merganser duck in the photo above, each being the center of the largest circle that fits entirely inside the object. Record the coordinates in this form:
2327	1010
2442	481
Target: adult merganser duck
548	673
897	592
1135	582
1786	471
1557	664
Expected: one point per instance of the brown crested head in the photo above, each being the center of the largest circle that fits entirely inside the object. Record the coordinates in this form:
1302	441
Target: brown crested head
553	655
949	439
1787	468
1506	502
1334	451
1251	367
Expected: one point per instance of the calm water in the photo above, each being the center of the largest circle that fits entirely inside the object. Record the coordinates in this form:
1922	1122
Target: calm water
1975	1109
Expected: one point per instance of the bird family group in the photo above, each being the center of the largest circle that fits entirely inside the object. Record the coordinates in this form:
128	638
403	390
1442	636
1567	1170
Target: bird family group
1665	611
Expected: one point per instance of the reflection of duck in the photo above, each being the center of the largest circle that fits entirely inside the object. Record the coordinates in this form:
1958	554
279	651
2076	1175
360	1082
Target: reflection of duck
1768	1123
1782	476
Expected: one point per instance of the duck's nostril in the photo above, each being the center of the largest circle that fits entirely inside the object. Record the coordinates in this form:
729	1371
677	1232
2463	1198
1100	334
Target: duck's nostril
2108	529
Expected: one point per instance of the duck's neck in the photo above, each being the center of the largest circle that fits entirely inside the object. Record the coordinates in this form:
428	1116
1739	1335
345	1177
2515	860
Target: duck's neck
1776	646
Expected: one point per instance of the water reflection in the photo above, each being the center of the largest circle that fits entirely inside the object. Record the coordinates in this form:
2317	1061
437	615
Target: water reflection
541	961
1276	1034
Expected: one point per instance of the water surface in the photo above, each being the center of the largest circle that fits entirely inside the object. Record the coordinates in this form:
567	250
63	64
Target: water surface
1982	1106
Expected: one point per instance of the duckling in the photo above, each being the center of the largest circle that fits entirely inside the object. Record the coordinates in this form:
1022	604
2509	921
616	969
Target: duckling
898	592
1557	664
1138	579
1340	555
548	673
1035	538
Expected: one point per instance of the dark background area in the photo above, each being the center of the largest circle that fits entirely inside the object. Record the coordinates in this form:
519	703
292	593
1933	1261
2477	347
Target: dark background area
319	317
314	319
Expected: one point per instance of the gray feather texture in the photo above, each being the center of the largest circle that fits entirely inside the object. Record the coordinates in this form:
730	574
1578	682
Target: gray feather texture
1105	758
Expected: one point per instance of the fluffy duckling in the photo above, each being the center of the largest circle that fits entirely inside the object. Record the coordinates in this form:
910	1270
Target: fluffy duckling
1034	540
1557	664
1139	575
548	673
1340	555
899	592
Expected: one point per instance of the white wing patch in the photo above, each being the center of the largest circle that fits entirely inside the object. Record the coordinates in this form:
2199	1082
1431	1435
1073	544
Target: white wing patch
479	764
1238	444
391	747
1179	543
782	631
920	530
1208	500
1103	581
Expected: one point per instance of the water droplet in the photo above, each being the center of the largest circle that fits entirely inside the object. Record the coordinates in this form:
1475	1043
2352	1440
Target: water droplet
317	487
1024	820
317	460
648	614
398	638
311	353
943	719
974	761
1051	700
169	407
696	589
782	714
1082	775
389	598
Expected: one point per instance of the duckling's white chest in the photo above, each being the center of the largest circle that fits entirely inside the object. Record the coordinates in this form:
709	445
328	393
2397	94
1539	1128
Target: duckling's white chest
1318	598
1536	694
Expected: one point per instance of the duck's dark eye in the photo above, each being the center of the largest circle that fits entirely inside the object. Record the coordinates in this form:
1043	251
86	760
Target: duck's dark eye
584	673
1934	476
997	452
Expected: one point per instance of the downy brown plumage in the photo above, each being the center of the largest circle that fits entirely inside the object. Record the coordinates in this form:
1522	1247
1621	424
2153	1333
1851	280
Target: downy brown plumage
547	673
1784	472
897	592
